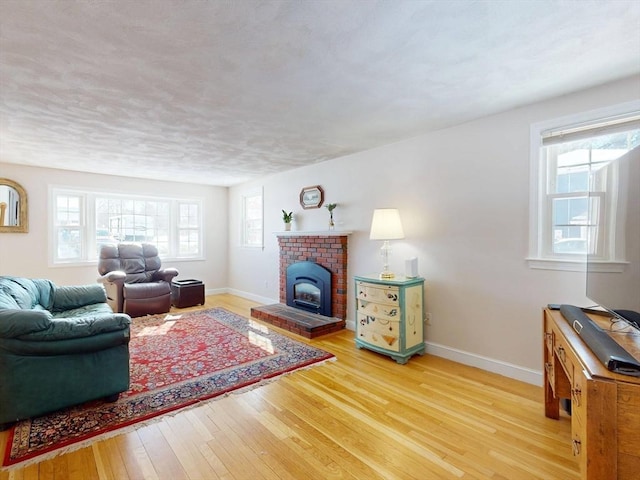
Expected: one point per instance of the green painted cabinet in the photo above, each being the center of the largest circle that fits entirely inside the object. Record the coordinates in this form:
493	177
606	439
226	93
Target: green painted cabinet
390	316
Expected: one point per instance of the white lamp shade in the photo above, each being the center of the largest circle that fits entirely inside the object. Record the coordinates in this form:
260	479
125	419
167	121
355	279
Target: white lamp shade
386	224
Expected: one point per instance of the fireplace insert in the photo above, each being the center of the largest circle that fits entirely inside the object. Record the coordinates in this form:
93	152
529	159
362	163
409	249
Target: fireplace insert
309	287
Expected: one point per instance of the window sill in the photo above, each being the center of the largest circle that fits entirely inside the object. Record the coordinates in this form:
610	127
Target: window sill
569	265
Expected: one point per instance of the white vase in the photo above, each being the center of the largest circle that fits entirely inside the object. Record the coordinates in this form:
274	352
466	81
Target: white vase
287	227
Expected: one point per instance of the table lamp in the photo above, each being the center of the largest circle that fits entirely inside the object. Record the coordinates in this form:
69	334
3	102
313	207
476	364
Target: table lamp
386	226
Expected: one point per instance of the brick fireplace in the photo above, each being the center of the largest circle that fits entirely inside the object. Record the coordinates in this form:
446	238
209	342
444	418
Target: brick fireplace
327	249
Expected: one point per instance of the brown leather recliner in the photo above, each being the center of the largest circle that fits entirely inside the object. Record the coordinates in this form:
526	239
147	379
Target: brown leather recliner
134	280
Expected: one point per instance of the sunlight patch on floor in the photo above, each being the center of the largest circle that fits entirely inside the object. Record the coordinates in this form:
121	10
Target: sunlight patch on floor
262	342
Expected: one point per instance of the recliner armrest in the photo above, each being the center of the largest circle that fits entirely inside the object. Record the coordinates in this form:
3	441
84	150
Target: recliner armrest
166	274
117	276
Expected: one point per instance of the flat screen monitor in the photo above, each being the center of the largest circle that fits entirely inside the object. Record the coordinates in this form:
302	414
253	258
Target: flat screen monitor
619	291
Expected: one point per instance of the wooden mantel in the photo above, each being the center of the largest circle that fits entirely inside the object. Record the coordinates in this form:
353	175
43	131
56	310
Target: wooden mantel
323	233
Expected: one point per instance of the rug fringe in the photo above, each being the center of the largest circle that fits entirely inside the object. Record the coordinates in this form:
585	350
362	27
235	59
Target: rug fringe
132	428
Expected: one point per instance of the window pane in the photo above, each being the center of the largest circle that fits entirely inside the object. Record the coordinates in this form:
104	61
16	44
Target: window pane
252	220
69	244
68	210
189	229
574	160
68	215
572	232
572	179
189	241
188	215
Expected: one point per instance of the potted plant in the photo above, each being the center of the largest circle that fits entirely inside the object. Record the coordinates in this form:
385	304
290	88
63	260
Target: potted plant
286	218
330	207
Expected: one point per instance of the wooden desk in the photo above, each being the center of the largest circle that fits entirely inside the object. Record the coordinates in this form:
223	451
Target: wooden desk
605	406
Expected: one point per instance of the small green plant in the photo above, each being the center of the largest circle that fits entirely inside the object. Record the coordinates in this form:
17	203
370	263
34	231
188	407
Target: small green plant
287	217
330	207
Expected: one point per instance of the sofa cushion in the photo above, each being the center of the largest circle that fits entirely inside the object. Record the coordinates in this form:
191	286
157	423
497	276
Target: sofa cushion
146	290
18	292
7	301
94	310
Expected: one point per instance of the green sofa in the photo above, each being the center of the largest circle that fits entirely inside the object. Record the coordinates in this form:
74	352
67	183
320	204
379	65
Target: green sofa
59	346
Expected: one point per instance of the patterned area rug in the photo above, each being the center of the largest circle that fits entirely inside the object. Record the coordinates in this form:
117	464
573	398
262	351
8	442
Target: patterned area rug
176	361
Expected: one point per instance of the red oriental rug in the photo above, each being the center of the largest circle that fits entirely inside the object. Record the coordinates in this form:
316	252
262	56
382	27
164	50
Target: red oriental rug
176	361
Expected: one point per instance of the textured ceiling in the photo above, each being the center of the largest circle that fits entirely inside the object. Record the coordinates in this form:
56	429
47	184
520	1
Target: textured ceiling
221	92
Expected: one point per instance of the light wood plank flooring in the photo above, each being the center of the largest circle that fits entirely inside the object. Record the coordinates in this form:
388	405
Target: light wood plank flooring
360	417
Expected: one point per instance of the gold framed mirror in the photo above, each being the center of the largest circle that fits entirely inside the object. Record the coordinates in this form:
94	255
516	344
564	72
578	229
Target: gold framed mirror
13	207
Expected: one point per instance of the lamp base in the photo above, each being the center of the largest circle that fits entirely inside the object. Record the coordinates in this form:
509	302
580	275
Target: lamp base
387	275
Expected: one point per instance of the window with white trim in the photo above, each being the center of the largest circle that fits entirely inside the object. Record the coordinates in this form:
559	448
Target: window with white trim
252	220
82	221
577	189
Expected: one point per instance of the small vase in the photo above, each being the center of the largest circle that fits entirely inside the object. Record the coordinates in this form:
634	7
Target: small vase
287	227
331	224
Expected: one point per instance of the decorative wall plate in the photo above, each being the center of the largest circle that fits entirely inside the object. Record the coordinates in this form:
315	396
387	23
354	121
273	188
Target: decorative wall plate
311	197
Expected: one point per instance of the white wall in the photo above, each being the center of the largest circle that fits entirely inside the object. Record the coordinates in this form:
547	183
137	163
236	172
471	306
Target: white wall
26	254
463	195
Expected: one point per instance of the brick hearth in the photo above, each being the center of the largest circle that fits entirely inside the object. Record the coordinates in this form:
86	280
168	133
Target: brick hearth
306	324
328	250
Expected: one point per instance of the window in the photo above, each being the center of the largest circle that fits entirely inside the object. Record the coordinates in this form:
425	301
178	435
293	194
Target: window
252	220
69	226
83	221
577	188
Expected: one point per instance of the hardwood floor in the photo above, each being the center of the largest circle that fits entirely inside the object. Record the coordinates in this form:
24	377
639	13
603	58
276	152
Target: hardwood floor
360	417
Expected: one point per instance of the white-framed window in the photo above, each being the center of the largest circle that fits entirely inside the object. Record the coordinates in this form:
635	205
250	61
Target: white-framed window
252	234
82	221
576	189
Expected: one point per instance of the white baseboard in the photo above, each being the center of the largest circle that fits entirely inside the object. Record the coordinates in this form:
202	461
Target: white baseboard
516	372
250	296
215	291
495	366
491	365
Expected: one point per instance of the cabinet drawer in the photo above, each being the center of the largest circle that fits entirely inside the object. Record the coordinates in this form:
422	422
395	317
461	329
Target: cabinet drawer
383	336
579	398
379	310
388	295
378	324
550	369
564	355
549	336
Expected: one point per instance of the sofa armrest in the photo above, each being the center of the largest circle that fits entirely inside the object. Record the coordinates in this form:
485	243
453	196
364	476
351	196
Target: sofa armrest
14	323
166	274
70	297
79	327
67	346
